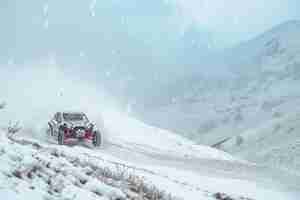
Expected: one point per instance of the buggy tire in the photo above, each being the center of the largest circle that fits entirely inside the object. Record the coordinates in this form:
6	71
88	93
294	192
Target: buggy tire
97	139
50	130
61	137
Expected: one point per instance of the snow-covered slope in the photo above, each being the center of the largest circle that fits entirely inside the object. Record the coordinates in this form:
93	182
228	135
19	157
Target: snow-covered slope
276	143
134	155
34	172
31	168
135	134
274	51
262	92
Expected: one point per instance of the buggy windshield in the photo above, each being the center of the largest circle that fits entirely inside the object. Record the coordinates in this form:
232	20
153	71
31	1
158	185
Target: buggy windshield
74	116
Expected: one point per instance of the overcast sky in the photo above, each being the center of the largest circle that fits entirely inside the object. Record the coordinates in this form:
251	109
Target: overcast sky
131	41
68	25
237	19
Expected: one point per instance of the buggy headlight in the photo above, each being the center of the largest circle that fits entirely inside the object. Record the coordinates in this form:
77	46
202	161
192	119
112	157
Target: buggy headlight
91	126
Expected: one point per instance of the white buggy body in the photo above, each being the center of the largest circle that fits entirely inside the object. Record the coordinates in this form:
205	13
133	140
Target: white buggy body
73	125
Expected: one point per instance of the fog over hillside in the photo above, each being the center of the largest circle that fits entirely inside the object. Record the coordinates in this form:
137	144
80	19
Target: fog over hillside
257	103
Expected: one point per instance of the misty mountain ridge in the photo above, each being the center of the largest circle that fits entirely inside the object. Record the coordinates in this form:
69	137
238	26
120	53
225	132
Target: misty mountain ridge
274	50
250	112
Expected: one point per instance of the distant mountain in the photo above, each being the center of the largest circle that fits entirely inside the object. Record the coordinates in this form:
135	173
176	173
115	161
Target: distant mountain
276	50
251	112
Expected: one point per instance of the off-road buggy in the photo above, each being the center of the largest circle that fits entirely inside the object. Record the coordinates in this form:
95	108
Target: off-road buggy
73	125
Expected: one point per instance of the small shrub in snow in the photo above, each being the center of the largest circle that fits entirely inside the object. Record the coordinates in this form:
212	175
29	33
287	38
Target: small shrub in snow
102	189
12	129
2	105
277	127
277	114
238	117
17	174
223	196
270	105
207	126
239	140
60	175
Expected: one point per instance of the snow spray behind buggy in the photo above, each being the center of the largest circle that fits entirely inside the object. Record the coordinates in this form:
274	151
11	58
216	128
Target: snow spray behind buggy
73	125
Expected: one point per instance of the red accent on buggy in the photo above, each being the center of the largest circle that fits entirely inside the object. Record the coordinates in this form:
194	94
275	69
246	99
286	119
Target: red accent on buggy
70	133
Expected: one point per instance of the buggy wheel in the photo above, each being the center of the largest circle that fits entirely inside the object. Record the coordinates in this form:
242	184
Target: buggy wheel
50	130
61	137
97	139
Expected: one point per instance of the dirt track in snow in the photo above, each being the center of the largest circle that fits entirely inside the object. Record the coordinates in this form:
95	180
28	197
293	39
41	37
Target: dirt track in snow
262	175
148	159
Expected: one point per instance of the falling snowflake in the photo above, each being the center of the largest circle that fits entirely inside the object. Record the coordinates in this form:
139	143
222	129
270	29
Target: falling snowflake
214	42
46	24
174	100
129	108
209	45
52	58
11	61
93	13
81	54
45	9
108	74
193	42
92	8
124	20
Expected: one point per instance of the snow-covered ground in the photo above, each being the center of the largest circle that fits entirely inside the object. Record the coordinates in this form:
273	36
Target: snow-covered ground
41	169
136	135
268	138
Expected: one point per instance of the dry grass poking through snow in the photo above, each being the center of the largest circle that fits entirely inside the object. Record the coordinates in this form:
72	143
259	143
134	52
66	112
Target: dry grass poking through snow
37	172
65	176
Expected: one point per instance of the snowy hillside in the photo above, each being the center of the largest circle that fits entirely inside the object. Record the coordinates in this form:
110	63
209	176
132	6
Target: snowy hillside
274	51
137	161
34	172
134	134
262	92
276	143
